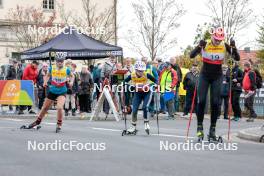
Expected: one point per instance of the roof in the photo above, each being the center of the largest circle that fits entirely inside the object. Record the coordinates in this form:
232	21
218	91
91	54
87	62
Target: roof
74	45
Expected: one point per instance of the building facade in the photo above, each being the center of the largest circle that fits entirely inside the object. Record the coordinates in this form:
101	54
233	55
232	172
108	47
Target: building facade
9	47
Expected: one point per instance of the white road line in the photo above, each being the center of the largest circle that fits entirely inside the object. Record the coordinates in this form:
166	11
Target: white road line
15	120
163	135
47	123
171	135
106	129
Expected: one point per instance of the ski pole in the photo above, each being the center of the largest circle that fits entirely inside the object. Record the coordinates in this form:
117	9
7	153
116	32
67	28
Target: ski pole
191	112
230	93
157	115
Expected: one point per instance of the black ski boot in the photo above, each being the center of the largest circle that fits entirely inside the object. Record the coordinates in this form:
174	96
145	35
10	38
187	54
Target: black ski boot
200	133
32	125
212	137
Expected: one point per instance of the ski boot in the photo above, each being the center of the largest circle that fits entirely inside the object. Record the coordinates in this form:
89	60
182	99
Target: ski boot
213	138
131	131
200	133
58	128
147	127
35	125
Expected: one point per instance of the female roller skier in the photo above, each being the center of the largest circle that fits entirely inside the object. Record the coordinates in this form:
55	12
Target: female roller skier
140	81
58	74
213	53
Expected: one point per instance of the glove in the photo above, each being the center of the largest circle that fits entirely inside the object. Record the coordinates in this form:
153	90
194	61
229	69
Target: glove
232	43
202	43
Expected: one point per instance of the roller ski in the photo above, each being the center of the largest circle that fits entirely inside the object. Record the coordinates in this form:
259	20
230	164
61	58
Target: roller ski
132	131
200	133
147	127
213	138
33	126
58	129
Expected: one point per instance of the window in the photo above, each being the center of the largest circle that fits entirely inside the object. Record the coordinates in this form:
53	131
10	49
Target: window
51	4
48	4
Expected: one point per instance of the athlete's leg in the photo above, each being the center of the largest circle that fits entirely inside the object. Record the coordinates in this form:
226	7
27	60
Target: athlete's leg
215	95
60	103
148	96
202	91
136	102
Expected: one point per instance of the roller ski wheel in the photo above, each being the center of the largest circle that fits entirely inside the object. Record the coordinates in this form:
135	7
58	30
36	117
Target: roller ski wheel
129	133
215	139
24	127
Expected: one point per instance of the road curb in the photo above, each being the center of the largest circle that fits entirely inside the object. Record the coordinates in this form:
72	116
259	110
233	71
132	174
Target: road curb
249	134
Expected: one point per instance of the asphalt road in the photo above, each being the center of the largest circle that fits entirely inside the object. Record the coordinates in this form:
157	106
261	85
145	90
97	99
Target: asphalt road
113	154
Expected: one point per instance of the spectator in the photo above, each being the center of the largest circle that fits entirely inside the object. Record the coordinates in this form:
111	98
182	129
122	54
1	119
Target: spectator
42	91
96	78
153	72
249	86
168	80
177	68
130	68
11	74
189	83
70	101
236	90
85	90
30	73
224	92
107	73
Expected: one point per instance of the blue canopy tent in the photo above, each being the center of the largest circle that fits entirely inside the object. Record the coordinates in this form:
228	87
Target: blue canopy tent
72	44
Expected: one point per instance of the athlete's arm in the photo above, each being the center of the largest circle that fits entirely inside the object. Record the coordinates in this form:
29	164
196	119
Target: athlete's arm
197	50
235	54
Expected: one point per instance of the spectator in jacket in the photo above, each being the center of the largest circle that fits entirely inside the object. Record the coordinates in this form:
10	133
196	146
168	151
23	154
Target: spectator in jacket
224	91
249	86
189	83
168	81
42	91
70	101
30	73
237	78
107	72
85	90
12	75
96	78
177	68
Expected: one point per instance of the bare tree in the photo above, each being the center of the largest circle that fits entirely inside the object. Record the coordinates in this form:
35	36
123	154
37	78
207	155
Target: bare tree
22	18
156	21
231	15
100	26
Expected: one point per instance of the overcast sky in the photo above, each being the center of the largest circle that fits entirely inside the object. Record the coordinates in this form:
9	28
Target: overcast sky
196	10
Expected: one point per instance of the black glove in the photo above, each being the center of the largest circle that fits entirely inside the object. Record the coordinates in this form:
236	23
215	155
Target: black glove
202	43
